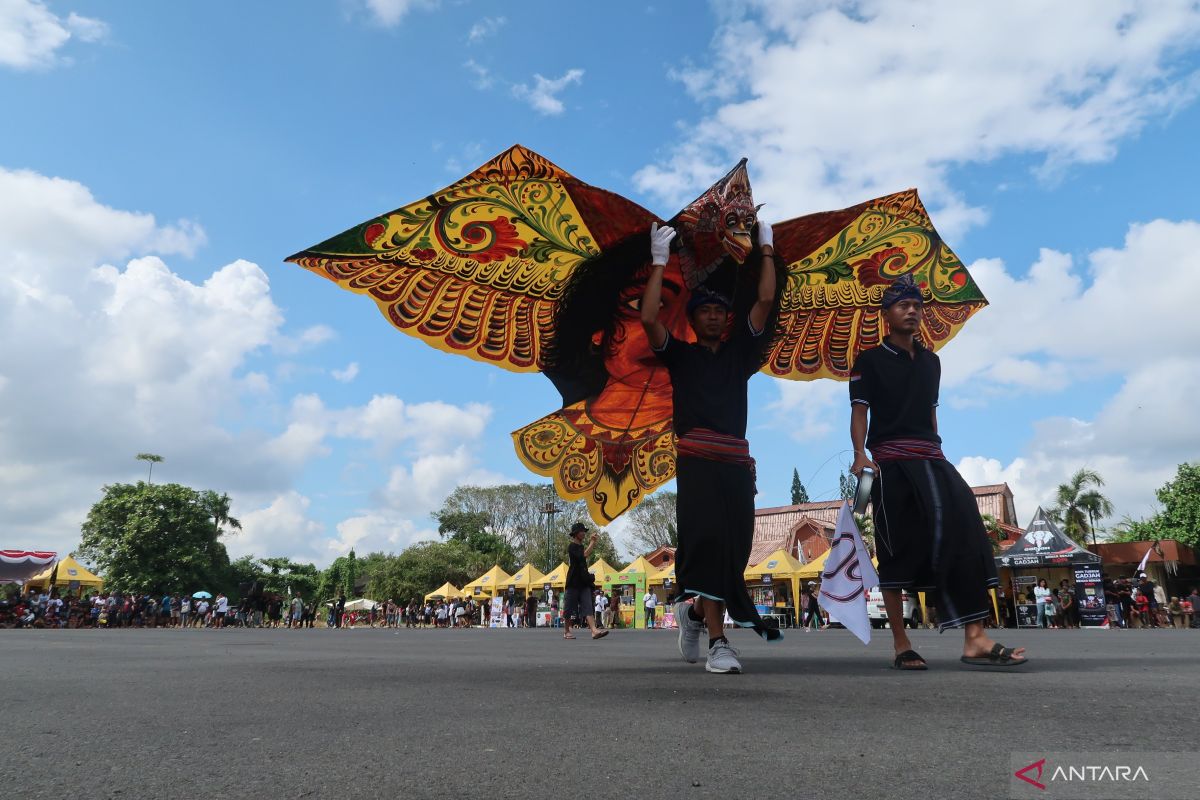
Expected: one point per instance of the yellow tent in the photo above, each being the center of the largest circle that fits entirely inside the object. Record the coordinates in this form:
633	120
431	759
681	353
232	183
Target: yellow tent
640	564
557	577
812	570
66	572
527	579
781	563
667	572
600	569
445	591
487	584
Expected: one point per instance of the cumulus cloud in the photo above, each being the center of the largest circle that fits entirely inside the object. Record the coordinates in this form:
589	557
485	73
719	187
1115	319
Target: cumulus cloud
281	528
346	375
32	36
542	96
838	102
1060	324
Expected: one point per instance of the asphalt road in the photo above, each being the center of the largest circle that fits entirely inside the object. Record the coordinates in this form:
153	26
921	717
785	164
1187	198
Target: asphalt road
524	714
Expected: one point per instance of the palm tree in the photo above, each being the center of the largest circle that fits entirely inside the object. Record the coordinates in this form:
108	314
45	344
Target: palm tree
217	506
1078	504
153	459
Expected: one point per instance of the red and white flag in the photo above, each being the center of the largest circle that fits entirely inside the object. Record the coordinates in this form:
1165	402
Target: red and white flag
848	576
1145	559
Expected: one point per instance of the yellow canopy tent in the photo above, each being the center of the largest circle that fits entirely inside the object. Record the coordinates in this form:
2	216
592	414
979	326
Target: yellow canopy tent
657	577
557	577
640	564
782	566
600	569
812	570
445	591
527	579
487	584
67	572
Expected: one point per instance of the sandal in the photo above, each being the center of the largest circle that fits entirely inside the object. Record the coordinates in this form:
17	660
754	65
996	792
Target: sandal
999	656
909	655
600	634
568	636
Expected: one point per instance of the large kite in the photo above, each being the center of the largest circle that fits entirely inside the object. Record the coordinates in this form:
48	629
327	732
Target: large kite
521	265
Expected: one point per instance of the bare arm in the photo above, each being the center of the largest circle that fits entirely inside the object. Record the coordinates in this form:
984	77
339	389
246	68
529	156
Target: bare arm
761	310
660	251
587	551
858	438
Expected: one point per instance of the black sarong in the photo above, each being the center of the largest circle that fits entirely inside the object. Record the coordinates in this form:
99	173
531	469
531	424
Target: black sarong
715	510
929	536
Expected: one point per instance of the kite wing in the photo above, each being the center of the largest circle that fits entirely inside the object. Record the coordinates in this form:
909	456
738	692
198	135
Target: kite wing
839	263
476	268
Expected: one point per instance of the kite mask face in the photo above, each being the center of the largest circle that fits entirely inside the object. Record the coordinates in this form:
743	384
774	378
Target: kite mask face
716	225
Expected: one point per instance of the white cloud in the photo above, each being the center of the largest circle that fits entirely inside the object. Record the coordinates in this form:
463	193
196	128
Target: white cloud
32	36
418	489
485	28
346	375
483	76
1129	314
390	12
376	530
807	410
543	95
835	103
282	528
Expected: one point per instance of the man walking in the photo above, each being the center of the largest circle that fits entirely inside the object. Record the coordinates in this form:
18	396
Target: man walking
714	472
928	531
579	603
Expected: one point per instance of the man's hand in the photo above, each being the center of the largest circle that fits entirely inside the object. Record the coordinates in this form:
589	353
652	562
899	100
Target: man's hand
860	462
660	243
766	236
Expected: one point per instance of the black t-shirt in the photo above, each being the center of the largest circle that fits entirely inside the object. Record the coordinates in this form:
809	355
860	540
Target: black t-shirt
709	389
901	392
578	576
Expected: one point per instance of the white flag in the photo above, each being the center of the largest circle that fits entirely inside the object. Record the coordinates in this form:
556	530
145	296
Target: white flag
1142	566
847	577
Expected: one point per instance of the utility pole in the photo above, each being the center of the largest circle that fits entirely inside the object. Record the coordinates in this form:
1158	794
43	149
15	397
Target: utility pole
550	509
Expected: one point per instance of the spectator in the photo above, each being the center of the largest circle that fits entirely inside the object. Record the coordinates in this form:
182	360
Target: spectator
296	619
650	601
1141	604
1175	612
1194	600
222	608
1147	587
1045	607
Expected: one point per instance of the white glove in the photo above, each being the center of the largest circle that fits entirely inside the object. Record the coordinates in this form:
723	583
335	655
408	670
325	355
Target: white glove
660	243
766	237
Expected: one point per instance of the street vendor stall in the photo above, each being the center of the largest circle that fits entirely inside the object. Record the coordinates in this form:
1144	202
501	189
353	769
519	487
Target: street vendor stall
1046	552
629	587
69	577
444	592
487	584
774	585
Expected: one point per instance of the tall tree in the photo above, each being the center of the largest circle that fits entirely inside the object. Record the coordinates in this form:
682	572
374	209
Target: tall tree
652	523
1078	504
799	493
160	538
847	486
153	459
517	514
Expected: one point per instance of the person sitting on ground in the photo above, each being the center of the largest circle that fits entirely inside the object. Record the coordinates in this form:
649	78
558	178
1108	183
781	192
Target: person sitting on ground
1175	610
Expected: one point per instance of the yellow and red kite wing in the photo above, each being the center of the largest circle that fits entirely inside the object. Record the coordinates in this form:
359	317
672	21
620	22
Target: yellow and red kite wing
839	263
476	268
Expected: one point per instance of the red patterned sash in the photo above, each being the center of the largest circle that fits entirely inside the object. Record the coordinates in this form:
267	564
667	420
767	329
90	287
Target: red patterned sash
703	443
907	450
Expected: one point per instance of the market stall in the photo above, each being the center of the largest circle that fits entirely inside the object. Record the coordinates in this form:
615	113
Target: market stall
444	592
629	587
69	576
774	585
487	584
1046	552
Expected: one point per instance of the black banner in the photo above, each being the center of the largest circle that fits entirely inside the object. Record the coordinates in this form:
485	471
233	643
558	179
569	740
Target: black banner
1089	594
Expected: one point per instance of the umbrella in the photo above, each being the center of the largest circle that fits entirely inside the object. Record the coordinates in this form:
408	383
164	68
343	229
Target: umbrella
204	595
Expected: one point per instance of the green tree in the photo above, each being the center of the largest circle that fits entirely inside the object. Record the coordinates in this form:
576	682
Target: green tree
653	523
1078	504
799	493
847	486
1180	498
283	576
151	538
153	459
423	567
471	528
1135	530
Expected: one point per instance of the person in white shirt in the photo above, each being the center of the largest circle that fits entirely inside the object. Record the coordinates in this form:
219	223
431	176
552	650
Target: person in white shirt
600	604
650	601
222	609
185	611
201	612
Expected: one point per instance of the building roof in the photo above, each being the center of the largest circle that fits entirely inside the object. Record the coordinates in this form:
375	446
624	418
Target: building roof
1133	552
997	500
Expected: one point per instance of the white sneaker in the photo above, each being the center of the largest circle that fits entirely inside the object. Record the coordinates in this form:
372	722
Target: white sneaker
689	633
722	657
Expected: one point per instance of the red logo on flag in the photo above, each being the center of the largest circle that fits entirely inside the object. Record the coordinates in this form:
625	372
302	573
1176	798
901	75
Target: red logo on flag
1038	765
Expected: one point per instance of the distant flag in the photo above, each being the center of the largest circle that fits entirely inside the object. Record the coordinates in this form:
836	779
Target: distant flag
848	575
1145	559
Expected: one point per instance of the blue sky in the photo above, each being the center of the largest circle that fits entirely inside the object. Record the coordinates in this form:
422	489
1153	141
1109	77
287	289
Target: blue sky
161	160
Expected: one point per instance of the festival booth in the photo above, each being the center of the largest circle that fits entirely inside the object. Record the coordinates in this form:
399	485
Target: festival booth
18	566
525	580
600	569
662	583
362	604
774	586
630	587
1046	552
487	584
555	578
445	592
69	576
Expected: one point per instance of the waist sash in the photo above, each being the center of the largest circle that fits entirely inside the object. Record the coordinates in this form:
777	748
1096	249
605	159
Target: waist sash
907	450
713	446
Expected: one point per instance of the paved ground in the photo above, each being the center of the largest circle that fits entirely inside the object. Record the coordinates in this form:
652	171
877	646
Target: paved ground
524	714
